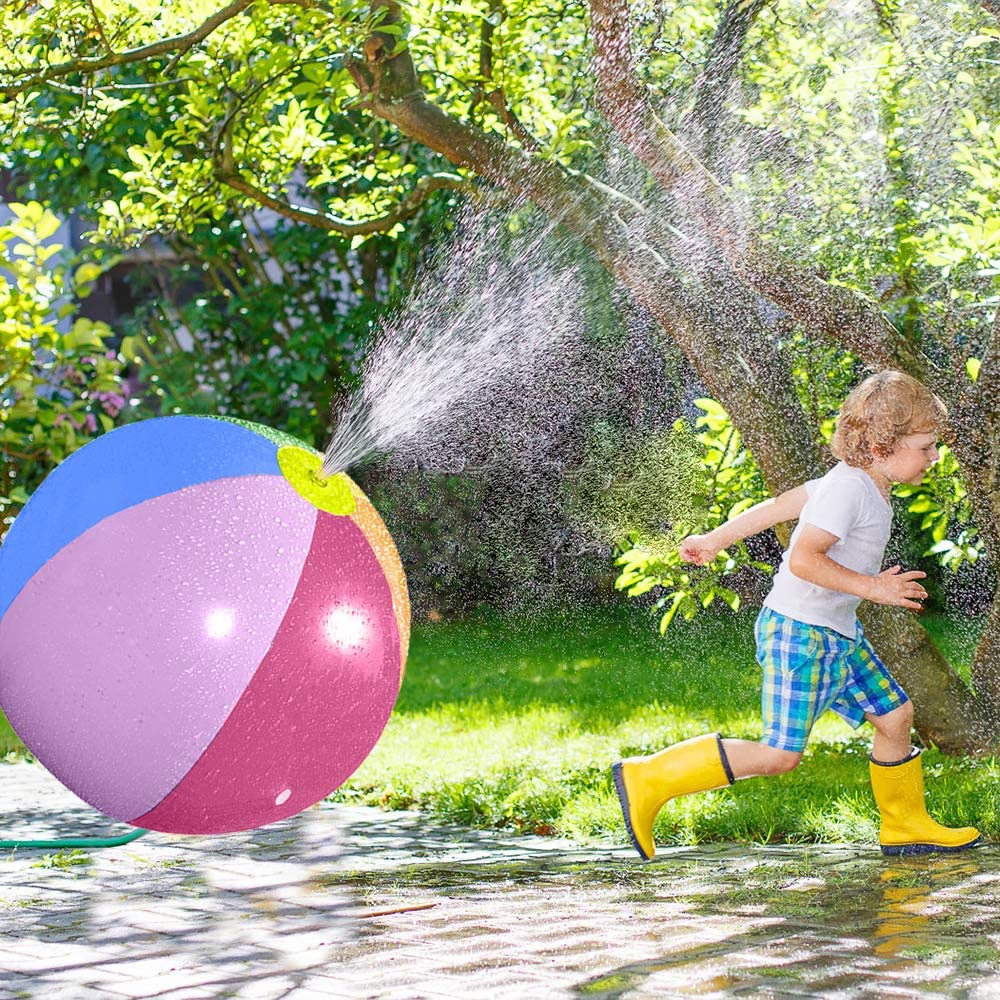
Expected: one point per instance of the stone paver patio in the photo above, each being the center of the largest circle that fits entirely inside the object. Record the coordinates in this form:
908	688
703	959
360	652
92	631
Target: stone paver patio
353	902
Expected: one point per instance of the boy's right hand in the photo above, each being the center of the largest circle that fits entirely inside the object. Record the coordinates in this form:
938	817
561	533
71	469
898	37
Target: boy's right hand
894	587
697	549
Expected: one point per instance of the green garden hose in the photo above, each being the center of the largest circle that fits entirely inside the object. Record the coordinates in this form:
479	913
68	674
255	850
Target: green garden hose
33	845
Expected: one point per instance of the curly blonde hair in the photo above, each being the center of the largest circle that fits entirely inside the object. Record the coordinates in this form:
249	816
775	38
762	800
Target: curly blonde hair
882	409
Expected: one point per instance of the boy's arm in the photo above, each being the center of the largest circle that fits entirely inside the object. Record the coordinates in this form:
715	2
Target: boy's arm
703	549
809	561
786	507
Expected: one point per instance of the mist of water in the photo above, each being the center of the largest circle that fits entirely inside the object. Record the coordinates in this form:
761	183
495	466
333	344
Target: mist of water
492	306
517	363
487	312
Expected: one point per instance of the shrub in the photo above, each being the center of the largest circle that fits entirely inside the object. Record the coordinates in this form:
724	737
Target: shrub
61	382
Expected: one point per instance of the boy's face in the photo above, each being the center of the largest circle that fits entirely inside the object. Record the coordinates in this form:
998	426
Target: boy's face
913	455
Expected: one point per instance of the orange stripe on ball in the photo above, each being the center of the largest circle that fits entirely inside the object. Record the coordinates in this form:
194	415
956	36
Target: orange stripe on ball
367	518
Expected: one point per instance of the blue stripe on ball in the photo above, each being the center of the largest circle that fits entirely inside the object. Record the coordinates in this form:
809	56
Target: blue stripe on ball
104	478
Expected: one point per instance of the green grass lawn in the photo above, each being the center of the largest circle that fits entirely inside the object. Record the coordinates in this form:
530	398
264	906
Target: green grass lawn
514	722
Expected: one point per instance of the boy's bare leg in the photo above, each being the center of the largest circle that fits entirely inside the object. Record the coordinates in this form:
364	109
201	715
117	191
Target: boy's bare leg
750	760
892	743
892	733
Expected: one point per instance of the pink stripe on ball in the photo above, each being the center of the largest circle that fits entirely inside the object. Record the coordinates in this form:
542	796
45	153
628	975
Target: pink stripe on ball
316	705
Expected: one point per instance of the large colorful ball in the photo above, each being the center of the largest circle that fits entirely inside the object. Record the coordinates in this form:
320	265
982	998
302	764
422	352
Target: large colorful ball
198	633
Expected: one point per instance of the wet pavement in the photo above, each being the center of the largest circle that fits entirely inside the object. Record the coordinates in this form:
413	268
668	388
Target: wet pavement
353	902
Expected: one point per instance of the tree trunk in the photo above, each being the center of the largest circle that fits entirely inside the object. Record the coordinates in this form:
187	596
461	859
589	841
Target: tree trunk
976	423
946	714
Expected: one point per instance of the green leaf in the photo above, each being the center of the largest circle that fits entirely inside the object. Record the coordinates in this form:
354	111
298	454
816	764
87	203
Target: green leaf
945	545
730	597
84	333
668	617
86	273
743	505
711	407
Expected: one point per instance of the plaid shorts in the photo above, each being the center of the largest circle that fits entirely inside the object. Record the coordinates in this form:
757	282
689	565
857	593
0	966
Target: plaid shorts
809	669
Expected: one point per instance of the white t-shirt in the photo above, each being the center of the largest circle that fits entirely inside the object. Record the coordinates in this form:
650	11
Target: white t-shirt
847	503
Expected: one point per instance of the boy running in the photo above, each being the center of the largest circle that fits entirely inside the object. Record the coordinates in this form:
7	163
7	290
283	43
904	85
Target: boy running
810	645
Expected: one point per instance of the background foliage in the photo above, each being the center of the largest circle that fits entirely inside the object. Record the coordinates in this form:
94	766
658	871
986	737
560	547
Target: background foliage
61	381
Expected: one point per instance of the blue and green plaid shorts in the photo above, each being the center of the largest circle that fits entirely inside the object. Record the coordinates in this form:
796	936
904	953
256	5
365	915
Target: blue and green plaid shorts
809	669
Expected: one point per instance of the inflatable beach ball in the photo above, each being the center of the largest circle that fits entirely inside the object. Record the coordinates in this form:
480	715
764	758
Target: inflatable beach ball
198	633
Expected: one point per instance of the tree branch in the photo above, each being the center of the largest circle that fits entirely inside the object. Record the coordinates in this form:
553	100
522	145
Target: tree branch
716	77
225	171
165	45
391	90
178	44
496	98
405	209
99	25
113	88
840	314
991	7
569	197
622	98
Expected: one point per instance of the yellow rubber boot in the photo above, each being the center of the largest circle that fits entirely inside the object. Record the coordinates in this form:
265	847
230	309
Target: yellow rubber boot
906	827
645	783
